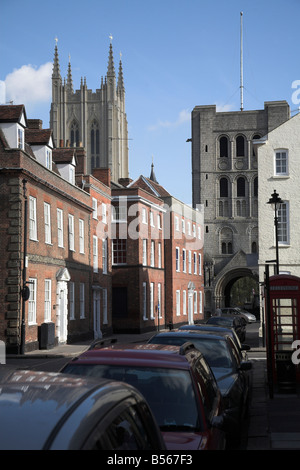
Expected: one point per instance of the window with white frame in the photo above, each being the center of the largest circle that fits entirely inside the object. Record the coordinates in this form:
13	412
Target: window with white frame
144	216
151	300
95	208
32	301
177	259
195	263
152	254
72	174
184	302
48	159
47	309
178	302
159	221
32	218
144	252
200	264
104	302
95	253
189	228
81	236
283	224
183	225
200	301
159	300
199	232
72	300
190	262
47	221
104	255
195	302
176	223
151	219
144	301
21	138
71	233
159	255
119	213
281	162
194	230
81	299
119	251
60	228
104	218
184	260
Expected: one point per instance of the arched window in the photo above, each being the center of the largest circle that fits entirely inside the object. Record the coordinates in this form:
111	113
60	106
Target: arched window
241	187
95	144
240	146
255	187
74	134
223	146
226	241
255	137
223	187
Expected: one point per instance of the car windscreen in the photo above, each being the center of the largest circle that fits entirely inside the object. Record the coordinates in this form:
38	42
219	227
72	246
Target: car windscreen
220	321
215	351
169	392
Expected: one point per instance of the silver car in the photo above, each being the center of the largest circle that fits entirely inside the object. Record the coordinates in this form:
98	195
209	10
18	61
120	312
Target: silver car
42	411
239	311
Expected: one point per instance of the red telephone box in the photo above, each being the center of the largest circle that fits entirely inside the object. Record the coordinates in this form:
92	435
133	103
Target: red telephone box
283	325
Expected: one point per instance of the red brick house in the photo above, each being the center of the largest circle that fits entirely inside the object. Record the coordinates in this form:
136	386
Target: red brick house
49	251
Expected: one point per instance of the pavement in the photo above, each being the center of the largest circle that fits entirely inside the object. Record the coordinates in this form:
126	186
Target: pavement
273	422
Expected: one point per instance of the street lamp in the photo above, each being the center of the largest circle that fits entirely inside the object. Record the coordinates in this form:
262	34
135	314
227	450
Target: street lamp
275	202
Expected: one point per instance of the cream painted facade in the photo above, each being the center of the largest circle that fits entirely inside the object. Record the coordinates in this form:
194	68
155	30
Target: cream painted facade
284	177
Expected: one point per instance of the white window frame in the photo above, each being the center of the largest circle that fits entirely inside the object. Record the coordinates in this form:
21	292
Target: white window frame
20	138
159	222
47	302
144	251
32	219
190	262
195	262
159	255
144	216
104	306
280	161
104	255
184	260
60	228
145	301
284	225
200	263
184	302
71	232
32	301
178	303
47	222
82	299
152	219
95	208
200	302
81	236
177	259
176	223
95	253
48	160
195	302
183	225
159	300
152	254
104	218
151	300
72	300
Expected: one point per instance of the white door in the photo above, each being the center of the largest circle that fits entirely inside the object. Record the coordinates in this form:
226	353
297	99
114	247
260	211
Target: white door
191	308
96	313
62	314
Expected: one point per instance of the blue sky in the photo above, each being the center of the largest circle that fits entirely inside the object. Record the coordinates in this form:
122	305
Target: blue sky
176	55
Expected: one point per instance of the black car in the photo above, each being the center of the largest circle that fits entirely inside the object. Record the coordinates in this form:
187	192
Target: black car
220	330
231	372
229	321
46	411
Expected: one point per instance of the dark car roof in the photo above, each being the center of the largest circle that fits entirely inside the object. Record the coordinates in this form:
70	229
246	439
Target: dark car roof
190	333
151	355
207	327
43	401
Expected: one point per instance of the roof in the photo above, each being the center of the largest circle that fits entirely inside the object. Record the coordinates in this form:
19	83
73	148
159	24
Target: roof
151	355
38	136
12	113
150	186
64	155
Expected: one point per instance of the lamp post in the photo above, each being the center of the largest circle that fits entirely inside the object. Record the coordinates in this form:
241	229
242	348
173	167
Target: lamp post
275	202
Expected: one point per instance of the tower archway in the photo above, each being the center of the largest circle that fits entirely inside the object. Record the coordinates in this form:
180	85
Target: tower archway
224	285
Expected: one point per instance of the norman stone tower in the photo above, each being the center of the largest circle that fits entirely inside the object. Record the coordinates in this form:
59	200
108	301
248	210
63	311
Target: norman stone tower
95	120
225	180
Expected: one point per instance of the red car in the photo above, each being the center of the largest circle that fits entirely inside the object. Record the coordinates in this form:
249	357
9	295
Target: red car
176	382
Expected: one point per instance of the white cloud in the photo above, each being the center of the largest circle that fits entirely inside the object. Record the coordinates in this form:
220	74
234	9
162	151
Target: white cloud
29	85
222	108
2	92
183	117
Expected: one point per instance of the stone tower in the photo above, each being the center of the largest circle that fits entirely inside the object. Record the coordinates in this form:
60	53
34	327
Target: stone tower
225	180
95	120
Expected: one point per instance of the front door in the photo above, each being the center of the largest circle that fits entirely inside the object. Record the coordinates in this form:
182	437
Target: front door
62	314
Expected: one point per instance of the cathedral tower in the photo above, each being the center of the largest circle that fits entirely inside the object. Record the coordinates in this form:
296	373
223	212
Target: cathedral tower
95	120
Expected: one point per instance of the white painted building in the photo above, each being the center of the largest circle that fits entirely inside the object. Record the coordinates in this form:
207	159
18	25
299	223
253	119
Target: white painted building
279	170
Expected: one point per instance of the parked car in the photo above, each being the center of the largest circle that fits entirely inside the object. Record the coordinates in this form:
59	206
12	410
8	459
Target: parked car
231	373
176	382
230	321
239	311
42	411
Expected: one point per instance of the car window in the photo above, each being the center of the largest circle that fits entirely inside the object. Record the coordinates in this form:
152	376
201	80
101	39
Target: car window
125	432
234	352
169	392
207	387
